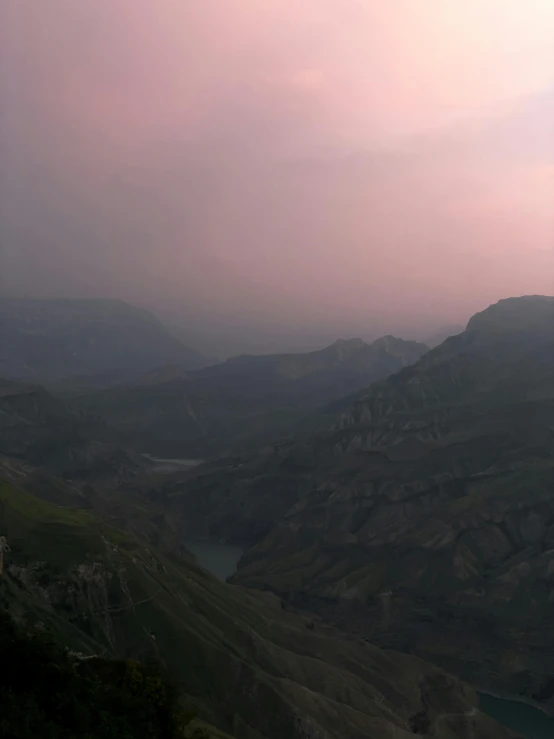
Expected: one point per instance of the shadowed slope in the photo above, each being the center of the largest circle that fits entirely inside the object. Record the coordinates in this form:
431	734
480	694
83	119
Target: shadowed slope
248	666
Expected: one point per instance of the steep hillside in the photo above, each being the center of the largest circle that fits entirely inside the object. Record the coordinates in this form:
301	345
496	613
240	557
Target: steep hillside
244	402
49	693
88	341
76	460
46	432
246	664
423	518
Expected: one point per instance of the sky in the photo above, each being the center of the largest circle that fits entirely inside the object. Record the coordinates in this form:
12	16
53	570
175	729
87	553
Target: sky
273	174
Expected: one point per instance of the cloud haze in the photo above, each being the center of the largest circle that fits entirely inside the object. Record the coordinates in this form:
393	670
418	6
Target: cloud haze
349	166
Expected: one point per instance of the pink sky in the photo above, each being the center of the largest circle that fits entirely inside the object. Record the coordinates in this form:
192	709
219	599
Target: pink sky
349	166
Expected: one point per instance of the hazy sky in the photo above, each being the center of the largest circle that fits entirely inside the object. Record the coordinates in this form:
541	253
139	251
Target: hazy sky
279	171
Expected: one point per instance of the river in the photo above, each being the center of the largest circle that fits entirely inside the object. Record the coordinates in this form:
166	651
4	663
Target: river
520	717
219	559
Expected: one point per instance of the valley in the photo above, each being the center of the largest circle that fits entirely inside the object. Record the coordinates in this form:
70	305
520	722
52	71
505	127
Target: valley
407	524
276	369
423	513
244	664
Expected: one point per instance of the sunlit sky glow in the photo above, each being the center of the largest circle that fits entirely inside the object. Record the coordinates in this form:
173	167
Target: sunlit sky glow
277	172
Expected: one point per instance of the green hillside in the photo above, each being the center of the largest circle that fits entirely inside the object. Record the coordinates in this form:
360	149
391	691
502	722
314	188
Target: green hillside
247	665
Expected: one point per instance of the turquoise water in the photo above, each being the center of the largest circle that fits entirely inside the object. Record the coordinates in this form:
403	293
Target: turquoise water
219	559
222	559
519	717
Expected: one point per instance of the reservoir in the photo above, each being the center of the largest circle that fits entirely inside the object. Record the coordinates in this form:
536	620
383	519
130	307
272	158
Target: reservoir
219	559
222	559
519	717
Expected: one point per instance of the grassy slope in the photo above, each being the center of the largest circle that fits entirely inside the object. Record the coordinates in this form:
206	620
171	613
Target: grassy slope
251	668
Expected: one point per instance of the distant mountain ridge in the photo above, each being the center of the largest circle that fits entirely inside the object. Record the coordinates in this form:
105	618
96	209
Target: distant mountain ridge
244	402
49	340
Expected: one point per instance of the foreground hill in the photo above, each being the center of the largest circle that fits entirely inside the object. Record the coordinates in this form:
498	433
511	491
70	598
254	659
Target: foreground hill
246	401
48	693
423	517
98	341
248	666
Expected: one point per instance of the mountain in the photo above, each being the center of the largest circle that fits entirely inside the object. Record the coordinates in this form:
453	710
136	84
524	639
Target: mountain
245	663
243	402
422	517
88	341
45	432
73	459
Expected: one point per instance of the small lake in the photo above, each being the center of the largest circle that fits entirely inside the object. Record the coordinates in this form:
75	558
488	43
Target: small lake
219	559
519	717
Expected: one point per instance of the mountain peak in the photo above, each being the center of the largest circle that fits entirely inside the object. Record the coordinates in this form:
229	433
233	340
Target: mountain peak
389	344
386	341
530	314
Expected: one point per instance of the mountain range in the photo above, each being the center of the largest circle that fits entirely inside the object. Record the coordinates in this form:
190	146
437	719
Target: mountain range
86	341
395	505
422	516
243	402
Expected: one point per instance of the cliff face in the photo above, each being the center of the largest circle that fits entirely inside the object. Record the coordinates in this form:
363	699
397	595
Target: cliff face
422	517
250	667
